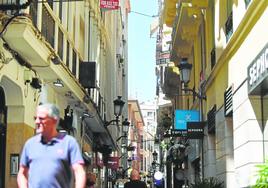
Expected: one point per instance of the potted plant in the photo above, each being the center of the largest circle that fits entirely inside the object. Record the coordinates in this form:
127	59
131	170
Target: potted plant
208	183
262	180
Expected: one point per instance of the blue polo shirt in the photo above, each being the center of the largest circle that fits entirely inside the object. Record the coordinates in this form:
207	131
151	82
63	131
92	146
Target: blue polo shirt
50	163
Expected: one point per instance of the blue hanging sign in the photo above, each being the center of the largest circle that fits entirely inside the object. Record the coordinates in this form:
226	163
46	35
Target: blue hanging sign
184	116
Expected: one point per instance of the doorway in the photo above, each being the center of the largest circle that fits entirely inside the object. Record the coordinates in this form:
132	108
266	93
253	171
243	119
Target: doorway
3	131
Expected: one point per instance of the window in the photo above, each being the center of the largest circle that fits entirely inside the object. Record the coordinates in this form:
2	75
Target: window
60	10
48	26
89	34
213	51
74	63
229	21
212	58
247	3
68	54
60	44
229	27
82	37
50	3
33	12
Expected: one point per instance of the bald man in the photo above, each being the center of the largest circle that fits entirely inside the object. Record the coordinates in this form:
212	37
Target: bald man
135	181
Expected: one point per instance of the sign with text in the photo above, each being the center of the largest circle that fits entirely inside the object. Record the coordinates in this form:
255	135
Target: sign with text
178	133
258	73
184	116
113	163
195	130
109	4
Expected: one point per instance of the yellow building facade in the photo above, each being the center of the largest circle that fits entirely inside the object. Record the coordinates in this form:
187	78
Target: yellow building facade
225	41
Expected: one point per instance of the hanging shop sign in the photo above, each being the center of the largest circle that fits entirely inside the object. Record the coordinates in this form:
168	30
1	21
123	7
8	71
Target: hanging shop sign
258	73
113	163
195	130
109	4
181	119
184	116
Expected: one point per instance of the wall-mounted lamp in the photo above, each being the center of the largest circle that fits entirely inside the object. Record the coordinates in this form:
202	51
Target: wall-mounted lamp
125	126
185	70
155	154
35	83
58	83
55	59
155	164
185	73
118	107
123	136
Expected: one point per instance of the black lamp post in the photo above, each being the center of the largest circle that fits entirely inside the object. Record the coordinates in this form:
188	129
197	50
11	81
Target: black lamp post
125	126
118	107
185	70
155	154
185	73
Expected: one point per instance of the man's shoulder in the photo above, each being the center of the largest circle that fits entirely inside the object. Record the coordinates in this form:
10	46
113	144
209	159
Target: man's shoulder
34	138
66	137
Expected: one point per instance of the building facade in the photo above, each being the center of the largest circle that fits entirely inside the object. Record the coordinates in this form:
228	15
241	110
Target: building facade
150	139
71	53
225	44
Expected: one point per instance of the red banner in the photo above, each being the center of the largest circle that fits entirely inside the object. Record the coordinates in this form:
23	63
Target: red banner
113	163
109	4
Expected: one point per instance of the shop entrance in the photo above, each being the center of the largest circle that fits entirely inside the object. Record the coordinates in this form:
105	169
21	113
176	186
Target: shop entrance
3	130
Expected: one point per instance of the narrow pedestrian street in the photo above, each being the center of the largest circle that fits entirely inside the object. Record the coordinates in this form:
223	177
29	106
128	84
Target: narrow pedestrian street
147	93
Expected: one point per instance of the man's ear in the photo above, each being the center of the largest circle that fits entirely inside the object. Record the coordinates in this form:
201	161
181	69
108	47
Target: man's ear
55	120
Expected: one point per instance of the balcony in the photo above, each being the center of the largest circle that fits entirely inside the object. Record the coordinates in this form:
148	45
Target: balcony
171	83
186	27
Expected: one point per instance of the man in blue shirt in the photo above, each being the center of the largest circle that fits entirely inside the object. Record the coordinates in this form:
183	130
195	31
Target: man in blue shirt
48	158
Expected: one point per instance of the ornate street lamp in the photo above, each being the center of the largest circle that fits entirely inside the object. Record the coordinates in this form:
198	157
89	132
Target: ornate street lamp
185	70
155	154
125	126
185	73
118	107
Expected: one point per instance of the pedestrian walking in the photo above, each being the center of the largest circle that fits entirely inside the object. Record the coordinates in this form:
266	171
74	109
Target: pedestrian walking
135	180
49	158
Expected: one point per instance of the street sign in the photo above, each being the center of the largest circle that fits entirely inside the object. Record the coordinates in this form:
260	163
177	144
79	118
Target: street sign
195	130
184	116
